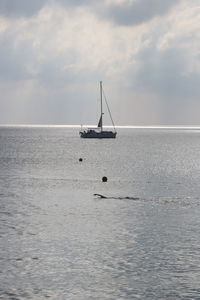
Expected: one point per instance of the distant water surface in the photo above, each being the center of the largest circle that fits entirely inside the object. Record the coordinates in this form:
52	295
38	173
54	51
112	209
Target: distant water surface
59	241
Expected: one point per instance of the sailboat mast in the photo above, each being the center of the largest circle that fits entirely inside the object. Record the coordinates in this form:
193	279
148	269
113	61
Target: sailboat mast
101	106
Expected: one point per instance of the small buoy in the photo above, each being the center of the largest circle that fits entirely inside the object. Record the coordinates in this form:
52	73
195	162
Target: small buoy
80	159
104	179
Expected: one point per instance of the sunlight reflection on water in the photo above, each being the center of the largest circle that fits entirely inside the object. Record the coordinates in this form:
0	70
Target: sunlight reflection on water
58	241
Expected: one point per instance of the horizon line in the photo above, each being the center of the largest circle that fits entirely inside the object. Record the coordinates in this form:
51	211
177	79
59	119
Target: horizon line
106	126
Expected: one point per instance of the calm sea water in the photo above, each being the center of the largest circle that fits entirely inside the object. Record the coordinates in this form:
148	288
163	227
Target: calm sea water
59	241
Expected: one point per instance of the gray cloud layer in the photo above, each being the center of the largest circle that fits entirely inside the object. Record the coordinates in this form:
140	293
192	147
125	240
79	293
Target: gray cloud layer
166	72
123	14
16	8
139	11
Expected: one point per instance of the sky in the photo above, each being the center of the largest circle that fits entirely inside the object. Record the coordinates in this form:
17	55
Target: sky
54	53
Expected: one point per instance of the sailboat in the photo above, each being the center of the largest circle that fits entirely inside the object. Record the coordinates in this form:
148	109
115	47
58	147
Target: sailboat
99	132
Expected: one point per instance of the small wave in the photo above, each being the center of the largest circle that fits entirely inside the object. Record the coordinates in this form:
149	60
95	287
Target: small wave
5	213
9	295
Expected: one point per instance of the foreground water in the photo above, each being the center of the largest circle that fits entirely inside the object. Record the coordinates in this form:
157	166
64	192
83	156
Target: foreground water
59	241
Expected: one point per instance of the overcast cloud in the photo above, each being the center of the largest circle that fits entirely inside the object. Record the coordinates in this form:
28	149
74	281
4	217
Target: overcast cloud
53	53
20	7
138	11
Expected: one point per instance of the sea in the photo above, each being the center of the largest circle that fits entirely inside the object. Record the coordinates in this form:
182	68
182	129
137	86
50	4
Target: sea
58	240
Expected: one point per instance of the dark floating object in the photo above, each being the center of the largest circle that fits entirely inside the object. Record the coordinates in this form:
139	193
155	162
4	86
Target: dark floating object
119	198
104	179
101	196
80	159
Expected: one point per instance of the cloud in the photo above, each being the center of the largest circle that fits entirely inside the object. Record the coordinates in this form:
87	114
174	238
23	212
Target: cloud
12	67
17	8
51	62
27	8
166	72
75	2
120	12
138	11
163	86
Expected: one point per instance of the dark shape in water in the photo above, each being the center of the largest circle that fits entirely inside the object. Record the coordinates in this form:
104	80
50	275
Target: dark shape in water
104	179
118	198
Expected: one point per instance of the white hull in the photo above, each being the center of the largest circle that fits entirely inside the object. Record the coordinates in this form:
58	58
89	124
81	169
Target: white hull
92	134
